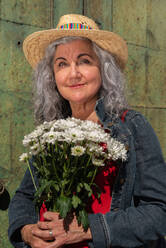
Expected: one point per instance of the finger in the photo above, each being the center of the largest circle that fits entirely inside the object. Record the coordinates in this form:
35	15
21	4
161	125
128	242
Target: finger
59	242
37	242
57	225
44	234
51	216
44	225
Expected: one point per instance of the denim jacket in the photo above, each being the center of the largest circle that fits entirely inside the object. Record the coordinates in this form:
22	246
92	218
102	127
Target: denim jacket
137	217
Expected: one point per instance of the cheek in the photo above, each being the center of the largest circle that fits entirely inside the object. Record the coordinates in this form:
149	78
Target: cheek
93	74
59	78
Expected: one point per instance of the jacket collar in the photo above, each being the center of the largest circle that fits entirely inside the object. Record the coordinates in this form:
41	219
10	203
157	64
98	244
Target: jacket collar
117	128
103	116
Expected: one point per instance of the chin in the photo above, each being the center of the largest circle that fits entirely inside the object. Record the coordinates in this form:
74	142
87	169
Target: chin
77	100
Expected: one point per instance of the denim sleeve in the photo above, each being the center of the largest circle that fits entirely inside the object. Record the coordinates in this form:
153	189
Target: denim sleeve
22	210
146	220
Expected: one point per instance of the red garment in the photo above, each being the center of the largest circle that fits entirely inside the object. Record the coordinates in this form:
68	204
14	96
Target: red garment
43	209
104	179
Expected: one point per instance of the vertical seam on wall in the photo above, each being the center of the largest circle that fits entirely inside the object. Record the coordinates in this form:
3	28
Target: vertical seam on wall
112	6
146	75
51	13
83	6
146	58
147	23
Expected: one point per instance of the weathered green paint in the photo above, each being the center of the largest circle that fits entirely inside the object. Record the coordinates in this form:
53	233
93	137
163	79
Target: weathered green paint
129	20
136	75
156	28
157	118
140	22
146	77
14	68
156	79
16	115
66	7
95	10
35	13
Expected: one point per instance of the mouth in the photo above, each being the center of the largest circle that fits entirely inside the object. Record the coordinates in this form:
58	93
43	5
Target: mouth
75	86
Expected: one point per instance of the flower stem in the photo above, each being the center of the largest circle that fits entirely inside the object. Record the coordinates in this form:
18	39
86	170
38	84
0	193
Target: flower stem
31	174
53	151
94	175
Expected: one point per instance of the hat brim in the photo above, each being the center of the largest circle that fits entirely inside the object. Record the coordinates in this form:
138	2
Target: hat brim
34	45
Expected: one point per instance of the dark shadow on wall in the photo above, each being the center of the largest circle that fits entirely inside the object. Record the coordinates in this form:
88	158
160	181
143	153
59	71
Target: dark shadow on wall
4	197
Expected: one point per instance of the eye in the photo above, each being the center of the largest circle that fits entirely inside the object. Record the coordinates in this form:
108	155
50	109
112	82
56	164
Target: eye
62	64
85	61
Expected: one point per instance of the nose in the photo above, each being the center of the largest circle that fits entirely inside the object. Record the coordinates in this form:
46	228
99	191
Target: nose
74	71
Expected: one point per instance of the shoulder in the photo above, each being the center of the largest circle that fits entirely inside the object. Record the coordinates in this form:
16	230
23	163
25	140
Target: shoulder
136	120
142	131
139	127
133	115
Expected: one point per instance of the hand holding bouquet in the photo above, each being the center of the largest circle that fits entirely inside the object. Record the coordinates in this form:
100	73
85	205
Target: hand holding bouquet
67	155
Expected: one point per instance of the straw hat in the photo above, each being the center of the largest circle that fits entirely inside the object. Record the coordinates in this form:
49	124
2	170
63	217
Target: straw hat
74	25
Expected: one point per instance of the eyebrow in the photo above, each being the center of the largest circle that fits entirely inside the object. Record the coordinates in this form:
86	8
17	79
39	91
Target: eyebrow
84	54
59	58
79	56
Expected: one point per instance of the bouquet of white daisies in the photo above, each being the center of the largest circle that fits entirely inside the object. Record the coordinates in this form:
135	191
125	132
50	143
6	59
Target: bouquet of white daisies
67	154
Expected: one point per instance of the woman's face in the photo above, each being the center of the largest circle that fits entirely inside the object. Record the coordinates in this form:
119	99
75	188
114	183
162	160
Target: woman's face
77	73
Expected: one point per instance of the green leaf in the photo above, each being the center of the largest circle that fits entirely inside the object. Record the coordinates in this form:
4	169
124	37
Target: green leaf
64	182
75	201
90	174
89	194
44	184
79	186
56	187
63	205
35	164
83	219
88	188
98	190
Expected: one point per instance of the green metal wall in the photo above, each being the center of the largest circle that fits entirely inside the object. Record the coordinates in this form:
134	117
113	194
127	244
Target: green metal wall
140	22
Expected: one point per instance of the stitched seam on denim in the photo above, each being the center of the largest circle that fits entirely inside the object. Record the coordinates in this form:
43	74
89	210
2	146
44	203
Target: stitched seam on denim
131	114
106	230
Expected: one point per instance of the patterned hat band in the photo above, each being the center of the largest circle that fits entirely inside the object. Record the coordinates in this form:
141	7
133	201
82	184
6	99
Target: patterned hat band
74	26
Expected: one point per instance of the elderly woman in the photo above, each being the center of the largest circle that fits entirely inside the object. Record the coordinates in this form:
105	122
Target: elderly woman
79	73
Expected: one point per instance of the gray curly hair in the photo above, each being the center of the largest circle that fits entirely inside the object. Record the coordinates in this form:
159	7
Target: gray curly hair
50	105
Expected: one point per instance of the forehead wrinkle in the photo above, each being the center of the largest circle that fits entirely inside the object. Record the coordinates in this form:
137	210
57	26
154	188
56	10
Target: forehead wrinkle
84	54
65	52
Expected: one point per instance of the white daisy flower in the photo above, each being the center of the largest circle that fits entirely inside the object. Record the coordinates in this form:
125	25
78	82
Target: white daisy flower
35	149
97	162
74	135
23	157
77	150
117	150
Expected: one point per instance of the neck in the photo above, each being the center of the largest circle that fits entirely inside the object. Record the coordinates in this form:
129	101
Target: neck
84	112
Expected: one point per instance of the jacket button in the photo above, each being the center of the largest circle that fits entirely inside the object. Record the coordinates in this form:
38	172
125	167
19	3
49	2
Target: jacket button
116	209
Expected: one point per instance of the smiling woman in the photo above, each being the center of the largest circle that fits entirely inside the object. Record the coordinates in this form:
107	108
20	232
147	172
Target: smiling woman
50	105
78	72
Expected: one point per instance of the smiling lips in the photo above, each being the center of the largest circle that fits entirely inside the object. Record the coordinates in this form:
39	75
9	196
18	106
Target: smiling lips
77	86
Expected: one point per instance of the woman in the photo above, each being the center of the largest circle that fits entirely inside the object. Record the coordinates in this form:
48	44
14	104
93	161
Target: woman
80	75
